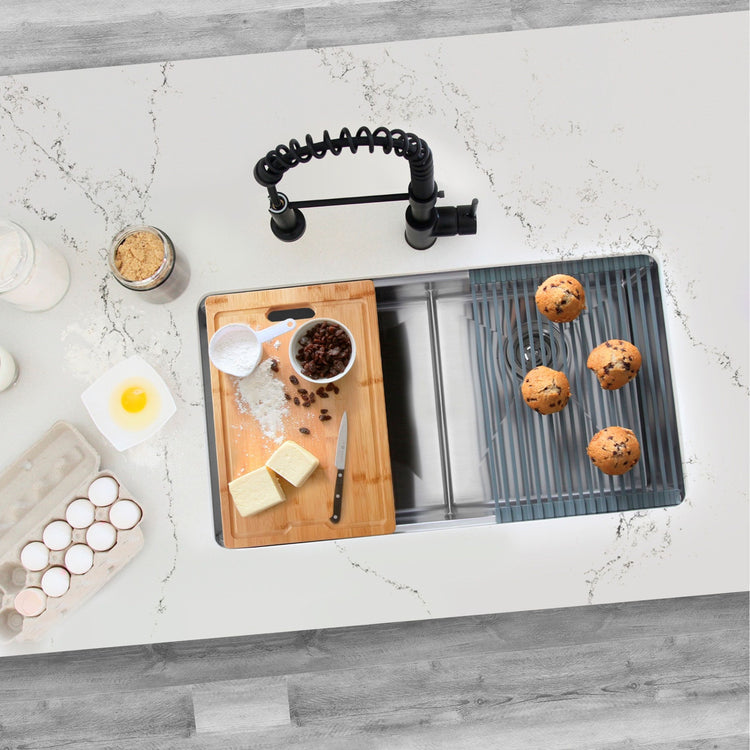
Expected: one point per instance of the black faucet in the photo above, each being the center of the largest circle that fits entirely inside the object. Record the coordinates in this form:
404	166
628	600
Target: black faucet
425	222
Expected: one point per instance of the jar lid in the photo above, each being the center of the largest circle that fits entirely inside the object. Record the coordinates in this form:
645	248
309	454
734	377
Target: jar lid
16	255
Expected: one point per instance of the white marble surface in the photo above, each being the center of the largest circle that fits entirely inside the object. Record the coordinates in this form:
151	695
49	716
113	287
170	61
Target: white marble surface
588	141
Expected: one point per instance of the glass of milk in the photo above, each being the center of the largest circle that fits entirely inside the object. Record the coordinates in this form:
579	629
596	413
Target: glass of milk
32	276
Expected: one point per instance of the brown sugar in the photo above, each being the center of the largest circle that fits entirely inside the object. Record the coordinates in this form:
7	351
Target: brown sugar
139	256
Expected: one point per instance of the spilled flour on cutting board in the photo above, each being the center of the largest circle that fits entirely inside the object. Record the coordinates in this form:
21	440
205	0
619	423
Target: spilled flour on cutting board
261	394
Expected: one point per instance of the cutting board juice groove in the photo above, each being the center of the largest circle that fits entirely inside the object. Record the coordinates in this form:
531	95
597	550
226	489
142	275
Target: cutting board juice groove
368	505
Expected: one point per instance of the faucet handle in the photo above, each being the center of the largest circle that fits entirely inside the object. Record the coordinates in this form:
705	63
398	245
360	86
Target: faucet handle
453	220
467	218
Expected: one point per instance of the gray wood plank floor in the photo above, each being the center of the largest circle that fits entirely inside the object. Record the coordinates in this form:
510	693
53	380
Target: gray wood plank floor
60	35
663	675
667	674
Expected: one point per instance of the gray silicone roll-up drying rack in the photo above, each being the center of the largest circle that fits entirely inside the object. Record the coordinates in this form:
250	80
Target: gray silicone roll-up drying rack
464	446
537	466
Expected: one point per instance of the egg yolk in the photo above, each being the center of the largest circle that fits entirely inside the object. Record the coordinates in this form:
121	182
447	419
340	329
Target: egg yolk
134	399
134	404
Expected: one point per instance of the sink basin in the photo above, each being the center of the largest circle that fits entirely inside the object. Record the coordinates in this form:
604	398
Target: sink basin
464	447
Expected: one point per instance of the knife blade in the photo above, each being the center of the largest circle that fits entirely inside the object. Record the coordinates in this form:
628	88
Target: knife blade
339	462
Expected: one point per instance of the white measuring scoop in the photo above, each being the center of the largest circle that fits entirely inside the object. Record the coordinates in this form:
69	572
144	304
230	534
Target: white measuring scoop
236	349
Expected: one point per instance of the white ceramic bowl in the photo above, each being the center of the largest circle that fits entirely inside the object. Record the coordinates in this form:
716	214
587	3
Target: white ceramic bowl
294	346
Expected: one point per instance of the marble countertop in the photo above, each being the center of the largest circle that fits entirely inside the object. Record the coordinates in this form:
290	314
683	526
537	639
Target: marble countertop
578	142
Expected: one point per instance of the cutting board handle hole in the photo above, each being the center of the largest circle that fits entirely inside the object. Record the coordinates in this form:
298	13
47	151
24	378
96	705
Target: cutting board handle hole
298	313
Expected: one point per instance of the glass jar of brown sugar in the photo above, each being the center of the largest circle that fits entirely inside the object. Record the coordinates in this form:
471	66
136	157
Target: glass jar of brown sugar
143	258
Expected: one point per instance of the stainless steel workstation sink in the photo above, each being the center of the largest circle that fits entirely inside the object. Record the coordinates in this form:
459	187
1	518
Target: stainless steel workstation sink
466	449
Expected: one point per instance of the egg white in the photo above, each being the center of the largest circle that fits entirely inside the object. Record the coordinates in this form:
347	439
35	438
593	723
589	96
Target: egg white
140	420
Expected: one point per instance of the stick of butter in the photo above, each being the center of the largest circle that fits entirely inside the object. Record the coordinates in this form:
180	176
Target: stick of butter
256	491
293	463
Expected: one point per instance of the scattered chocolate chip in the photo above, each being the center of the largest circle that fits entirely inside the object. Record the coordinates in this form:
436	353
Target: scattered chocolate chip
293	380
304	430
275	365
324	417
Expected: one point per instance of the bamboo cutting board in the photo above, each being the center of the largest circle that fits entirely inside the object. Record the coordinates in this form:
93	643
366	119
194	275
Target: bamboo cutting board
242	445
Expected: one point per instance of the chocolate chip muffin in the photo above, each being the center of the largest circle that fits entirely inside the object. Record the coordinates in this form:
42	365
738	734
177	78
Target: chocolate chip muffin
560	298
615	362
614	450
545	390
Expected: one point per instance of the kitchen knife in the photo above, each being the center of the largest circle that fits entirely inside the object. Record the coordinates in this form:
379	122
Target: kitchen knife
339	462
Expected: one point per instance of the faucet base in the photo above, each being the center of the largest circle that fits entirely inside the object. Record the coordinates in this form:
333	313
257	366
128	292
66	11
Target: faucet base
426	245
295	231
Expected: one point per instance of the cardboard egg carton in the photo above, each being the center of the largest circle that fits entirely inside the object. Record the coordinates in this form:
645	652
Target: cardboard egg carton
35	490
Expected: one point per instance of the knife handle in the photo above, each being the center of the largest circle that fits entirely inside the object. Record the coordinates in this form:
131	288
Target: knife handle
337	491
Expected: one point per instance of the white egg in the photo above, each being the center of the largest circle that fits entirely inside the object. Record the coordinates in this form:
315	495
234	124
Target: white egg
35	556
56	581
80	513
79	559
30	602
101	536
103	491
57	535
125	514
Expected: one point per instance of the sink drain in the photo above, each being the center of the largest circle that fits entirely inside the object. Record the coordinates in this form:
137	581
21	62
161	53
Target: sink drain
533	348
